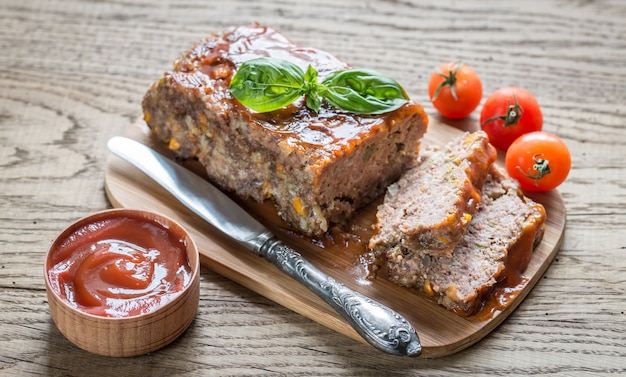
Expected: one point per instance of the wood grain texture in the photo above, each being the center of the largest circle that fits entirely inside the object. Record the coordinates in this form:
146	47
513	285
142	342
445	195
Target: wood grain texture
342	254
109	334
72	74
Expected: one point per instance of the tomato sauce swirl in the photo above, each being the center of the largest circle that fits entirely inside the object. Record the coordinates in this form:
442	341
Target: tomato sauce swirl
119	266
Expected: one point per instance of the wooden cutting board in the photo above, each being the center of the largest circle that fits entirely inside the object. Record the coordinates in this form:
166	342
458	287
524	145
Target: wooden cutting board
342	255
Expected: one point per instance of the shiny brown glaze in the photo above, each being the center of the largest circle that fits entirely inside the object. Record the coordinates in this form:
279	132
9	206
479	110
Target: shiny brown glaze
317	167
210	65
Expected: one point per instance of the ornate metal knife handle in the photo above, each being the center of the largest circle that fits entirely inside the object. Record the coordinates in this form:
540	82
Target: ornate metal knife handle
380	326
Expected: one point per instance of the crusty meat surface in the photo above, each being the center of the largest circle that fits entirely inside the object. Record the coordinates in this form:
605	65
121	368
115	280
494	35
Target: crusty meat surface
503	233
318	168
431	206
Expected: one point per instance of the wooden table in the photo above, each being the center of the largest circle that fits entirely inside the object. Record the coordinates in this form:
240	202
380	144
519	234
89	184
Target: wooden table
72	75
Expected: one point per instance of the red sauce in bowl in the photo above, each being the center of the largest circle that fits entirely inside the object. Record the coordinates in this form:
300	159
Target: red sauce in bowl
119	266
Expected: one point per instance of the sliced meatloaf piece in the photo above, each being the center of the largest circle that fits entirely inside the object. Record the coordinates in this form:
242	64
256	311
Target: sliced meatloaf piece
317	167
430	207
498	243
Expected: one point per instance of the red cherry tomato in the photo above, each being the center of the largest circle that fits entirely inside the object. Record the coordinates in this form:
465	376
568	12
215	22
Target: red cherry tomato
539	161
509	113
455	90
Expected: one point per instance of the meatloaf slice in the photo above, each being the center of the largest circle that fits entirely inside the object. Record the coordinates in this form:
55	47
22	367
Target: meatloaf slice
317	167
430	207
498	244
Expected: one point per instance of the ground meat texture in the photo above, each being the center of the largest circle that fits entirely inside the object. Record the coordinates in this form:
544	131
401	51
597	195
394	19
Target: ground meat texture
429	209
318	168
506	222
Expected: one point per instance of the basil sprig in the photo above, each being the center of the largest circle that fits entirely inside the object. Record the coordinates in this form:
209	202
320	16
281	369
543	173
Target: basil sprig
268	84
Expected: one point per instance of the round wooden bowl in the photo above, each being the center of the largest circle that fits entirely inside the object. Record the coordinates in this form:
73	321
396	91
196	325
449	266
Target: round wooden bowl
134	334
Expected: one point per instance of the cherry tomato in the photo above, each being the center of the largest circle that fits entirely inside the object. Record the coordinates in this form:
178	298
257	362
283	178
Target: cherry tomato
455	90
509	113
538	160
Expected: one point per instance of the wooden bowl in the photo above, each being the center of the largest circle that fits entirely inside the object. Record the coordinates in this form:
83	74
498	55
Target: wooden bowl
136	320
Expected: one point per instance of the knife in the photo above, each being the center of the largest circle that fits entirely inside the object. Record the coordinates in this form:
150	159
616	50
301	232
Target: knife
379	325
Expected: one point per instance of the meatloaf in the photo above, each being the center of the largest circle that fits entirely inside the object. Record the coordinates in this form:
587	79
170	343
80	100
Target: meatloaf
316	167
498	244
430	207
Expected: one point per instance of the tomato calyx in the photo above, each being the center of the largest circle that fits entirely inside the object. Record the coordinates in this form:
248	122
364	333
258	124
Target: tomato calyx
512	116
541	166
448	80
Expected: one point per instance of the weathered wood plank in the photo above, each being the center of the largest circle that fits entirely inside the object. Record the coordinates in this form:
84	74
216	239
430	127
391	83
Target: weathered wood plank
72	74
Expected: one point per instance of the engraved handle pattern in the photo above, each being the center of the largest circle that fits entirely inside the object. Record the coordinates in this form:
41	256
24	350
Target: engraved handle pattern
380	326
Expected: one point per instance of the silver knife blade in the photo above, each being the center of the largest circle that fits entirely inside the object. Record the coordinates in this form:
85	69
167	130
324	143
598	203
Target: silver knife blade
379	325
204	199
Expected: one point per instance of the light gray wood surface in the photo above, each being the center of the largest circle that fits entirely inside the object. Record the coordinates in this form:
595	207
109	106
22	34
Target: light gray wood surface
72	74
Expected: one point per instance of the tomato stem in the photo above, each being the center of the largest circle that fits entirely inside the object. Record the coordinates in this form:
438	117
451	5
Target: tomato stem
541	166
512	116
448	80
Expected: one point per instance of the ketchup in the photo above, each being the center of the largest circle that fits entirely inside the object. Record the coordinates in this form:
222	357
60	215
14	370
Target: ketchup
119	266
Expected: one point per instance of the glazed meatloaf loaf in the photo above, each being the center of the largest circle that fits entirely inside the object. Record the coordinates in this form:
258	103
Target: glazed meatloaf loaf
316	167
431	206
498	244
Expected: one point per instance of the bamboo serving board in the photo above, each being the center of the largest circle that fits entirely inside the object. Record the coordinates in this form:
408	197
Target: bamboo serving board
342	255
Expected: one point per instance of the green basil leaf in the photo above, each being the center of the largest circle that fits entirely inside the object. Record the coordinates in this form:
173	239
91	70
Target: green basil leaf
310	76
363	92
267	84
313	99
